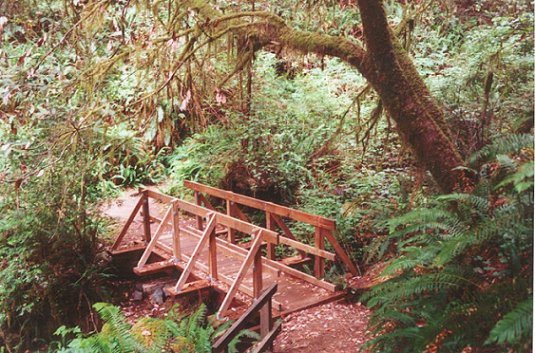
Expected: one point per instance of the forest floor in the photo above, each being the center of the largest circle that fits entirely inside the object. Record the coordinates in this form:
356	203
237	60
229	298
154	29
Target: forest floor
338	327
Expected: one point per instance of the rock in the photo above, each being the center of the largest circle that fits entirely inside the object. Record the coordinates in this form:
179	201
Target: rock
158	297
137	295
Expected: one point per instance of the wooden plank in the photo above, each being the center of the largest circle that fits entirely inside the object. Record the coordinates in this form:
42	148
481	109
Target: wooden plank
146	217
163	198
212	255
295	260
257	272
266	320
223	219
271	226
153	268
270	264
128	249
340	252
286	231
307	248
188	288
275	265
267	342
241	275
319	263
239	212
228	249
198	203
222	277
206	203
127	224
154	239
302	276
176	232
196	253
324	300
263	205
223	341
231	233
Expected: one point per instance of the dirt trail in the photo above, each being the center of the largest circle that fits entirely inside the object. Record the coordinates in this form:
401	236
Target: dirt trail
331	328
339	327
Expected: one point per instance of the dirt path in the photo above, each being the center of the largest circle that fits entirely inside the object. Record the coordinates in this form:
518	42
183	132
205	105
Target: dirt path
339	327
330	328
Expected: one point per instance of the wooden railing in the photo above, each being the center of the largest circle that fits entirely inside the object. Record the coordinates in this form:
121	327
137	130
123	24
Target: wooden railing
207	219
268	330
323	227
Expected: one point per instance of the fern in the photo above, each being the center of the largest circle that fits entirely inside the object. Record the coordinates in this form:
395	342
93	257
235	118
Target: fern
504	145
232	346
515	325
460	265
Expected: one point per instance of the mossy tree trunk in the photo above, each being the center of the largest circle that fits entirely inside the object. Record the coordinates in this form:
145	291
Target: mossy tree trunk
383	62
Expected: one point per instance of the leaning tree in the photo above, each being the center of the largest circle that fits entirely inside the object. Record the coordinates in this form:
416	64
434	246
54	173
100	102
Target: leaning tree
381	59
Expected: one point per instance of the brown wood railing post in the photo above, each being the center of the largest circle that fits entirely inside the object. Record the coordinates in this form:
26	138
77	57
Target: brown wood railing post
257	273
176	232
146	217
198	203
319	262
231	235
270	224
266	320
212	249
261	303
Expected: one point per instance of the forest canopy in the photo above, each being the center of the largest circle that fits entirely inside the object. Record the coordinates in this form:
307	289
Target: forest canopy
409	122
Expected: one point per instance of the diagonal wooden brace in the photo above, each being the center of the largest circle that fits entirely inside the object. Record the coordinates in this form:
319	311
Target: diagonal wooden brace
212	221
154	239
241	273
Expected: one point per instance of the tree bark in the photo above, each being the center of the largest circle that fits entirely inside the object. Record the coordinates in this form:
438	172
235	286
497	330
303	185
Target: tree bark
388	68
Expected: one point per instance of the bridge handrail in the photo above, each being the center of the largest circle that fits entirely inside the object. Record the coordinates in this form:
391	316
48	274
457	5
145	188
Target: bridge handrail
263	305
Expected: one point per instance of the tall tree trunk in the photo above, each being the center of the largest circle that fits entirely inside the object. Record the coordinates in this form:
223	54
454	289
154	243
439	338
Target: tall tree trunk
388	68
420	121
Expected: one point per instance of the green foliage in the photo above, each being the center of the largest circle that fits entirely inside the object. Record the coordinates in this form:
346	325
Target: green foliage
48	247
174	334
463	273
515	326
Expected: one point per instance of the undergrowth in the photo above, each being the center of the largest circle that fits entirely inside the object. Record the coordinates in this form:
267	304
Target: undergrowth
462	274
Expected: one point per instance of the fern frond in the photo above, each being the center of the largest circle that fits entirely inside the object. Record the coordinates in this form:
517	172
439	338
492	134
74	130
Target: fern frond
479	202
232	346
504	145
522	179
515	325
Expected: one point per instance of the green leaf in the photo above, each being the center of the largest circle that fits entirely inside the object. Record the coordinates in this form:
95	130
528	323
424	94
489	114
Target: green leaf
516	324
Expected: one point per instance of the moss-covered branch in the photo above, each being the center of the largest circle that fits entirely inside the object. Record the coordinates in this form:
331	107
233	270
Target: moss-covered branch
273	29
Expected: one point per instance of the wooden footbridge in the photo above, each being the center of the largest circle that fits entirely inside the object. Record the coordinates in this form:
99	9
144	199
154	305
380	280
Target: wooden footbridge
211	247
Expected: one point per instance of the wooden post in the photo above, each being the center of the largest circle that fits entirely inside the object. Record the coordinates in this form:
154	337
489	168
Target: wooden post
176	232
270	246
257	273
146	217
212	250
154	240
266	320
199	218
231	235
197	252
319	262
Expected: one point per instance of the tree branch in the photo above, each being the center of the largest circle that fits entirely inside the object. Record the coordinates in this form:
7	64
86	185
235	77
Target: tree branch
274	30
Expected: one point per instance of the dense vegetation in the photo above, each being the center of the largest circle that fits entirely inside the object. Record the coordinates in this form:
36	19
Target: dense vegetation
100	95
